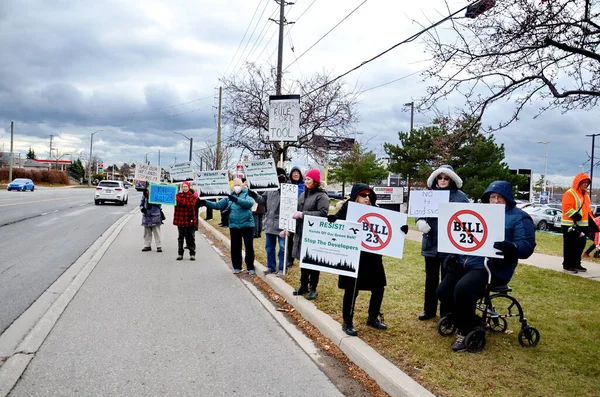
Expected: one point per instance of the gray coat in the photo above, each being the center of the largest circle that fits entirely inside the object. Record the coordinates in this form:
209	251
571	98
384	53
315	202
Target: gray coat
152	215
271	201
314	202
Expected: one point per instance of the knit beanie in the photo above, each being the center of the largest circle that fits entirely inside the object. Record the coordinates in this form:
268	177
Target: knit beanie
315	175
186	183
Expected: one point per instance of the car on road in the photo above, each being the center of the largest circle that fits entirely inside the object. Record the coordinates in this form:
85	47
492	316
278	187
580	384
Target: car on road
543	217
335	195
22	184
111	191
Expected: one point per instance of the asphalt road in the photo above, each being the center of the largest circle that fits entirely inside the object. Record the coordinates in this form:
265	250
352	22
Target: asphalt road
42	233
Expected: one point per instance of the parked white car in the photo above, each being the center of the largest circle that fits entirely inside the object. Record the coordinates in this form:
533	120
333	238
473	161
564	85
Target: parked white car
543	217
111	191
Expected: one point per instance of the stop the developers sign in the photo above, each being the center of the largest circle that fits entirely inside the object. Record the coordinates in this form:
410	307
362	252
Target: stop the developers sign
470	229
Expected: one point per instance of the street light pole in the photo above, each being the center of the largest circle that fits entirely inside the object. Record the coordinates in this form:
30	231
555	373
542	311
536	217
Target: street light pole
546	167
412	113
90	161
191	143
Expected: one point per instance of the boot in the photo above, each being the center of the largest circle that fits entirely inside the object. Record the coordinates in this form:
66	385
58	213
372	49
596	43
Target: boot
596	254
312	294
349	329
301	291
586	255
375	322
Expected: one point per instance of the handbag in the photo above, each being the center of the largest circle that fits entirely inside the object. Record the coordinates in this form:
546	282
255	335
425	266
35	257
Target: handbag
258	209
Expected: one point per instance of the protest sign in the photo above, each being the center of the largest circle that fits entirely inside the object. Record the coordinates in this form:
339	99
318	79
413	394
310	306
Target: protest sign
330	247
382	234
284	117
288	205
181	172
162	194
261	175
212	184
389	194
425	203
146	172
465	228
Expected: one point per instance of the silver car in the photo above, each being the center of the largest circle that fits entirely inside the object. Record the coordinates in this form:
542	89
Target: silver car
543	217
111	191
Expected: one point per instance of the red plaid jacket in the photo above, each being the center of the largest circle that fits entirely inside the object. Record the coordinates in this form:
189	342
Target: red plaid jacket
185	212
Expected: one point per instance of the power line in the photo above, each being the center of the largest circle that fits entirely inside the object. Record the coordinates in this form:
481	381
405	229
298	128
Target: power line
393	81
325	35
409	39
289	30
166	107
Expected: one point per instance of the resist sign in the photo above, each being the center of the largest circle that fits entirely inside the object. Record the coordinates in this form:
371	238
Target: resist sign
284	117
472	229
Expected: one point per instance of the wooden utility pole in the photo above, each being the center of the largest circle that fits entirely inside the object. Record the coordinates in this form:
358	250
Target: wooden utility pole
12	126
218	153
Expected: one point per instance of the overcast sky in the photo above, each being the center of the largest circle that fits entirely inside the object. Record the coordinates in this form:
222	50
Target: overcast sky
141	70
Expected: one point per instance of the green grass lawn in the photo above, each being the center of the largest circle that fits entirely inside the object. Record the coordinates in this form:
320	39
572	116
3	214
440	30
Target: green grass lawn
564	308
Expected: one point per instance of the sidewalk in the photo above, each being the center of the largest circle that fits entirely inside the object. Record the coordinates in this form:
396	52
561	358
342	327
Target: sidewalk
145	324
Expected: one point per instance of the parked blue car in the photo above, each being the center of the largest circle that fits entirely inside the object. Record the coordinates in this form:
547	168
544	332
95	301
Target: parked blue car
21	184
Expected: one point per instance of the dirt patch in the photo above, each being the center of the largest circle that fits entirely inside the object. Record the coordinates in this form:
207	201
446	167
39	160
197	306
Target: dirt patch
350	379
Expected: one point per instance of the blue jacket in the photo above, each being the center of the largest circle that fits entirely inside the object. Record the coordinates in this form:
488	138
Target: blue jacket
241	211
518	229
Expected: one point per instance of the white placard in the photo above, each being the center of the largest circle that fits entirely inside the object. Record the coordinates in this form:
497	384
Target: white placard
425	203
470	229
330	247
288	205
284	118
389	194
181	172
261	175
146	172
212	184
382	234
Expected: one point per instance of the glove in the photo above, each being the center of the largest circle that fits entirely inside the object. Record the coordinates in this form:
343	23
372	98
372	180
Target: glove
576	217
451	263
423	226
252	194
331	218
506	248
144	210
284	233
232	198
404	229
298	215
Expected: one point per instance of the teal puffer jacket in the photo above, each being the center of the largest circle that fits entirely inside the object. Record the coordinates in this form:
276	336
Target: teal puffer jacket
241	211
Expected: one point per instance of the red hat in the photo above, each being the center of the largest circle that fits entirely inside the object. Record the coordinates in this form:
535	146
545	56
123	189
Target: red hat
186	183
315	175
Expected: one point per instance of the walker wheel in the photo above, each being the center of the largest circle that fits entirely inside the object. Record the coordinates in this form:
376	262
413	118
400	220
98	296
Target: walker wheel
529	336
475	340
497	324
445	326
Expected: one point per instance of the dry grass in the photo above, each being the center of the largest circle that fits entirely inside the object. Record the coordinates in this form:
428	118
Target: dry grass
562	307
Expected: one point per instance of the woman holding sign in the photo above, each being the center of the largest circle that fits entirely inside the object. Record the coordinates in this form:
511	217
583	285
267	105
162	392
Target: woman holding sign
444	178
371	275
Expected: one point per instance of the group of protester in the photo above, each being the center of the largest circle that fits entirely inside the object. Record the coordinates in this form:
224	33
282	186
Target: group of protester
464	278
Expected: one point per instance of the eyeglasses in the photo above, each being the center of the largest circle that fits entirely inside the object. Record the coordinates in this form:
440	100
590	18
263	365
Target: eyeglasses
443	178
364	195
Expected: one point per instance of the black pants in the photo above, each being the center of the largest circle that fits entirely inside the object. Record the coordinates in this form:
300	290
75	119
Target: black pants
432	280
573	246
350	299
225	218
245	234
309	279
189	234
258	219
290	249
459	291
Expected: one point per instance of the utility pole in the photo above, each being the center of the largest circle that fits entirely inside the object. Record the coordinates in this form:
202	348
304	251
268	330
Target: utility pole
546	167
412	113
51	148
12	126
159	157
218	154
592	163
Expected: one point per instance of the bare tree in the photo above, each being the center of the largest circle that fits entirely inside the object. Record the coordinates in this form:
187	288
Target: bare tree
521	50
206	158
326	109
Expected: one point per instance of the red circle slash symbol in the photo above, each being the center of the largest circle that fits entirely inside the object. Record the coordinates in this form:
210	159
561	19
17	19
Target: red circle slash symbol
468	234
379	234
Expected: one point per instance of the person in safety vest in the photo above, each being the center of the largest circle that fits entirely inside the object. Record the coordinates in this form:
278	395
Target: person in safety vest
576	218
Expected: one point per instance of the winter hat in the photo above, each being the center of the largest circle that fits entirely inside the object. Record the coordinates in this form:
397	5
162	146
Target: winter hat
280	171
447	170
314	174
186	183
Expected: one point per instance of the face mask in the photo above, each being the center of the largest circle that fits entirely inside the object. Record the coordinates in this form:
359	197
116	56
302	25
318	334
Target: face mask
237	189
281	179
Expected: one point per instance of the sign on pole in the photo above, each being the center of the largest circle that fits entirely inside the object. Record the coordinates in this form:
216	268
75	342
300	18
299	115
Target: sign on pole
162	194
381	229
330	247
261	175
425	203
389	194
212	184
284	118
181	172
288	205
470	229
146	172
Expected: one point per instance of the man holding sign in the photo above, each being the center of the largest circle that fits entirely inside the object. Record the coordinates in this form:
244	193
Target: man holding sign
466	280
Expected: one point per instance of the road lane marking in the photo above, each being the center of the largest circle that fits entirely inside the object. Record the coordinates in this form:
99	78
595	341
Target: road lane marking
35	202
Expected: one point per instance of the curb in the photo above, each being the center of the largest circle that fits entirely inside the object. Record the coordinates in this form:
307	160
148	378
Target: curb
389	377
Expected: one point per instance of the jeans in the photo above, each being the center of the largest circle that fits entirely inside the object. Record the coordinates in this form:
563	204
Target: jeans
271	248
245	234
